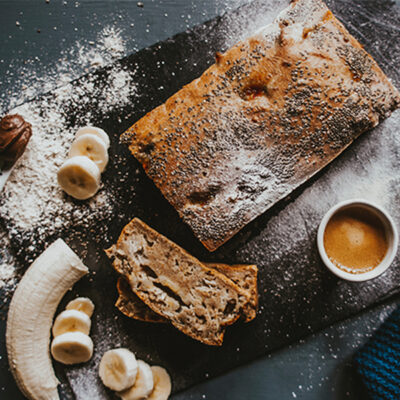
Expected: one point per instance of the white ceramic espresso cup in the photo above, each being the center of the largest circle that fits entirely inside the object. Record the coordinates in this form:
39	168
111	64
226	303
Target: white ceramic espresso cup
392	237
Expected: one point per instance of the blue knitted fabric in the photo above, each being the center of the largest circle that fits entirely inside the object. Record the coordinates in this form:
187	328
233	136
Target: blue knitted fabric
378	362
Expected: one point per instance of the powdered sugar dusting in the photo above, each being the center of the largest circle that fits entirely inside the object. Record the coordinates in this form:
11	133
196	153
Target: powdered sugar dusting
7	270
238	26
46	205
46	209
82	56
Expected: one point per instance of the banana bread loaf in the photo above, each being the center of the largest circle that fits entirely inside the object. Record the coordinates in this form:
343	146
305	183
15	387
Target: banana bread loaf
271	112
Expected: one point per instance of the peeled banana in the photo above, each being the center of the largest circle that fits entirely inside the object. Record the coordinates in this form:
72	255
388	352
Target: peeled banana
81	304
143	385
79	177
72	348
162	384
118	369
30	317
90	146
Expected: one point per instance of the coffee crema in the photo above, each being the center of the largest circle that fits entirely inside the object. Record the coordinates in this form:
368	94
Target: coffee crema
355	240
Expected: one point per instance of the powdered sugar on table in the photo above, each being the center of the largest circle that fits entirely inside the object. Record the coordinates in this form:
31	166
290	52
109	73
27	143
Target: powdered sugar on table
32	199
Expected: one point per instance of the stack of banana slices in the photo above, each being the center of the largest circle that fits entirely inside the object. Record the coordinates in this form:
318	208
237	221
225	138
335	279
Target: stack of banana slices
133	379
72	343
79	176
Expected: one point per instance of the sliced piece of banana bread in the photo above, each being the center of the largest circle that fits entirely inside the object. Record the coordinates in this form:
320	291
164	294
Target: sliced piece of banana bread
245	276
131	306
196	299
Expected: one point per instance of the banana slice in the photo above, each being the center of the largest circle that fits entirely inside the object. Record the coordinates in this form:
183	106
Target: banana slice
71	321
81	304
79	177
90	146
94	131
118	369
72	348
162	384
143	385
30	317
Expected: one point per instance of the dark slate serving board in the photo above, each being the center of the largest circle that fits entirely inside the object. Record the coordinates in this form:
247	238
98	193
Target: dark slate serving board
297	294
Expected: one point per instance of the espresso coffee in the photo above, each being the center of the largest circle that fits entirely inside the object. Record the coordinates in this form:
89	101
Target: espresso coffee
355	240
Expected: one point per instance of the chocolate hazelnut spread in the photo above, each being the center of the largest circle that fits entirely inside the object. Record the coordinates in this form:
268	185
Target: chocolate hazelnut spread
15	133
355	240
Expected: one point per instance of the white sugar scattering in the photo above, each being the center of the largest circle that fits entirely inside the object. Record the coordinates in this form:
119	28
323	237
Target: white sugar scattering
7	269
74	61
240	26
32	201
112	42
33	182
119	89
